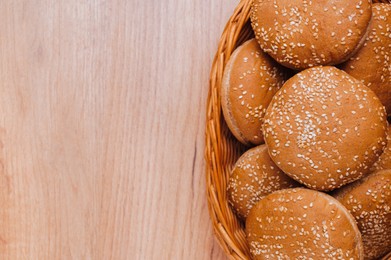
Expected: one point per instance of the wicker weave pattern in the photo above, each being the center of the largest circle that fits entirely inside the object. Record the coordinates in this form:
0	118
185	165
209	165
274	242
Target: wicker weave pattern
221	148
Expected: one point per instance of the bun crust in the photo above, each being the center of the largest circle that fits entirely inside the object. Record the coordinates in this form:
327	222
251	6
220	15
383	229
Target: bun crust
254	176
369	201
324	128
302	224
384	161
250	80
372	63
302	34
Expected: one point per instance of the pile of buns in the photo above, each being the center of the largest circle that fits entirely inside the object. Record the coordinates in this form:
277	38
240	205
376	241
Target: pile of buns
309	97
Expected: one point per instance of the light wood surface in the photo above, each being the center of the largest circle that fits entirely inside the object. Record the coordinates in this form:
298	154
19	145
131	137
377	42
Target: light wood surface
102	128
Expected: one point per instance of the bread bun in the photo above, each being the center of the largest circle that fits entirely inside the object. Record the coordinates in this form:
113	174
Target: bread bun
250	80
324	128
254	176
384	161
302	224
302	34
372	63
369	201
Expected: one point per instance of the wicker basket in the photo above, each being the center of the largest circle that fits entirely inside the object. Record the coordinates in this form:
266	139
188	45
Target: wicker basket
221	148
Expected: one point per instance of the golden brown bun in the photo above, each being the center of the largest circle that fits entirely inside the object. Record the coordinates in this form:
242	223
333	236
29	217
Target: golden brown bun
302	224
251	78
384	161
369	201
302	34
254	176
324	128
372	63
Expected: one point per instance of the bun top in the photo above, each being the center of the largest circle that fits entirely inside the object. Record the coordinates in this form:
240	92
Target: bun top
250	80
302	224
372	63
254	176
303	33
369	201
324	128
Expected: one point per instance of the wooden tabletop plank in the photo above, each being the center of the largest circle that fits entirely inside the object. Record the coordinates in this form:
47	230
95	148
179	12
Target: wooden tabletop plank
102	120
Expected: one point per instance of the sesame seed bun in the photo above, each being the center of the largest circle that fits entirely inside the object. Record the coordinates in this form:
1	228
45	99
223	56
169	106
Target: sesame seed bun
324	128
302	224
384	161
254	176
302	34
369	201
372	63
250	80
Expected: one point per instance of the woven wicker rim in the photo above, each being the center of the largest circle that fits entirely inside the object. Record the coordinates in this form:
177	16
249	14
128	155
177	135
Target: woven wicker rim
221	148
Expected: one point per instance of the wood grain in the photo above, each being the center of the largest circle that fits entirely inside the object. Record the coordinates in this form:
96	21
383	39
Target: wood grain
102	128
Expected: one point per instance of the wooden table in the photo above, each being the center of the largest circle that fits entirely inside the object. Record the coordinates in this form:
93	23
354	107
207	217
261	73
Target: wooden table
102	128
